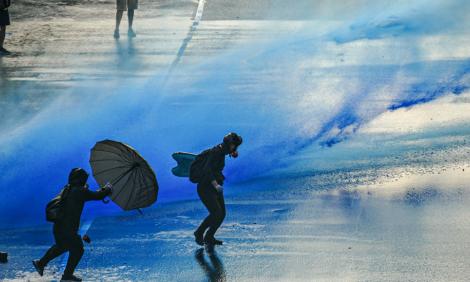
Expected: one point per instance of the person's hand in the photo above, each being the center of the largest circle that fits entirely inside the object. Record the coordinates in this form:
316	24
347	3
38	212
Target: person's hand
219	188
86	239
108	187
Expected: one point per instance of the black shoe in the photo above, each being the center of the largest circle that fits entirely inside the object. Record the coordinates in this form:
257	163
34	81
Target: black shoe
212	241
38	267
4	52
199	238
69	278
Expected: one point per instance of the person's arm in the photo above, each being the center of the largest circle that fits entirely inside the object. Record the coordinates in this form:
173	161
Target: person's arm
218	166
208	168
219	176
211	170
97	195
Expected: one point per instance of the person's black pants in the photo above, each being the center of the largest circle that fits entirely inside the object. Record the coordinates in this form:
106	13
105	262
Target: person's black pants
65	241
215	204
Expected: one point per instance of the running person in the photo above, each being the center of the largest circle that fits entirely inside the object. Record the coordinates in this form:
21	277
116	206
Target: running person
66	229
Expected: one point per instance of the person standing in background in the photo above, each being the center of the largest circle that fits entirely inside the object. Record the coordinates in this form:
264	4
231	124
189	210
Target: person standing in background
129	6
4	21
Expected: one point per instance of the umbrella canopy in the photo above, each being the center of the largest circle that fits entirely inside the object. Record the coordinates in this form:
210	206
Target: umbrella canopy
134	182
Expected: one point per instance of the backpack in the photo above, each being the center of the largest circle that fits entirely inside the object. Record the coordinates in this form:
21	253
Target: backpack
54	209
196	171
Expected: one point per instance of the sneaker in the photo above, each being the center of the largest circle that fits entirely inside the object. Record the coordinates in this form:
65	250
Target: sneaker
199	238
116	34
213	241
4	52
131	33
38	267
69	278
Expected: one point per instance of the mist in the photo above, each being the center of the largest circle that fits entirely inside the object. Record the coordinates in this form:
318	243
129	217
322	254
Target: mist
314	88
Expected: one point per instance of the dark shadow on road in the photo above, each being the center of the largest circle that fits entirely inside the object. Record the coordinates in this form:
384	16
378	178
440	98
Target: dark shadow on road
214	270
127	54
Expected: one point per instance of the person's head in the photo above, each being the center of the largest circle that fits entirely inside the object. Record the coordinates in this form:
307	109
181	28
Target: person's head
78	177
232	141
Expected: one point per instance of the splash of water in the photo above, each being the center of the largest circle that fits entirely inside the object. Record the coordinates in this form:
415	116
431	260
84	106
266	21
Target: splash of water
285	95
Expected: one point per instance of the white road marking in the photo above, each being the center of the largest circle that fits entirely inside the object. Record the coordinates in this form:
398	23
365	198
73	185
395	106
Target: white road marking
189	36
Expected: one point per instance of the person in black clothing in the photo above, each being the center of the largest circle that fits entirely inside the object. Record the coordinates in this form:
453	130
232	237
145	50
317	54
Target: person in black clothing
4	21
210	188
65	230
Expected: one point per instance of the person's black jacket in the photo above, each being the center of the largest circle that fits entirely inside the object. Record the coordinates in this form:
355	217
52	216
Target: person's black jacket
215	163
73	206
75	199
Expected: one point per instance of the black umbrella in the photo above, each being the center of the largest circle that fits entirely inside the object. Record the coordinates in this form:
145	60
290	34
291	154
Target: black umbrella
134	183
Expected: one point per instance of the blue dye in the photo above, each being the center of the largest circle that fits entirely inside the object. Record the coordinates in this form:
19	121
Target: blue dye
195	114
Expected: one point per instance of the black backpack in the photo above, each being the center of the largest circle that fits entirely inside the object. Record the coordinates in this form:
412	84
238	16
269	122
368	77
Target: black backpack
196	171
54	209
